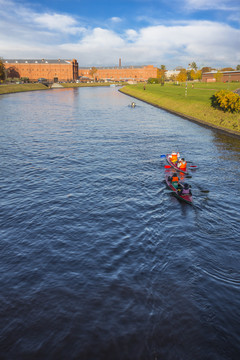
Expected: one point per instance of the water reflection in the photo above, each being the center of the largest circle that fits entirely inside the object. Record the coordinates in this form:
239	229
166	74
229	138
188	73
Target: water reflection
229	144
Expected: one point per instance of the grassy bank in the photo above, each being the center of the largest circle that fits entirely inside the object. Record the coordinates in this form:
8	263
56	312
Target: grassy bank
194	104
13	88
73	85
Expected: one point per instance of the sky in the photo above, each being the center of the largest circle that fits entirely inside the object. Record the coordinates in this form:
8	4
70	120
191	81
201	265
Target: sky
140	32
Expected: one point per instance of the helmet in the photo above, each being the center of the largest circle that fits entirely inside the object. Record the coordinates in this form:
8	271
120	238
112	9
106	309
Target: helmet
186	186
175	174
183	159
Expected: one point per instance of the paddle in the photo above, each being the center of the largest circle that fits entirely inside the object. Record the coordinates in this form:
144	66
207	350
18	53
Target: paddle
162	156
167	166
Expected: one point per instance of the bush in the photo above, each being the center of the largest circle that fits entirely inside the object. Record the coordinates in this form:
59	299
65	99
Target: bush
153	81
226	101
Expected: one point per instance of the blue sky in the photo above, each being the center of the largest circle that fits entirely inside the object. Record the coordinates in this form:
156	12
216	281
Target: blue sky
99	32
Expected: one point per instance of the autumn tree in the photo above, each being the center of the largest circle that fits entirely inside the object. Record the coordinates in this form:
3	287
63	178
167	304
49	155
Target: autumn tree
92	71
218	76
161	74
197	75
182	76
2	70
227	69
206	69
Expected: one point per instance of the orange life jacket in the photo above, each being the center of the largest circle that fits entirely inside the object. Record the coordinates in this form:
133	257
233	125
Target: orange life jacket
175	179
183	165
174	157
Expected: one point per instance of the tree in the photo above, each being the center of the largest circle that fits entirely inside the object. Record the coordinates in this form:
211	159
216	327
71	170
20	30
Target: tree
2	70
193	65
238	67
161	74
206	69
12	72
92	71
198	75
227	69
182	76
218	76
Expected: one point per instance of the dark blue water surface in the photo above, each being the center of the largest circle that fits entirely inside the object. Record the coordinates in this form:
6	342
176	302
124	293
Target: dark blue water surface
98	260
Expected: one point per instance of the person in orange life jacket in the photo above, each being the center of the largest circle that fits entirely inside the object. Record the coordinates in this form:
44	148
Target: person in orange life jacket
185	190
182	164
174	157
174	180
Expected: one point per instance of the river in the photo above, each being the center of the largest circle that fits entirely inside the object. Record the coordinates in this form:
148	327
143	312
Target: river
98	260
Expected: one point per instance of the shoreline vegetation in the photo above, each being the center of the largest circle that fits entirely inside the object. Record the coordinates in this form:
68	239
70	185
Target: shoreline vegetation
191	102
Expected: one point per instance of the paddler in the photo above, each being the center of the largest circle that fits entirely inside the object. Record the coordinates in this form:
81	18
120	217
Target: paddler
186	190
182	164
174	180
174	157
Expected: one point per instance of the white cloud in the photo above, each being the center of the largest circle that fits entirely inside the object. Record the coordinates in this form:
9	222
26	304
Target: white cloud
228	5
61	36
116	19
58	22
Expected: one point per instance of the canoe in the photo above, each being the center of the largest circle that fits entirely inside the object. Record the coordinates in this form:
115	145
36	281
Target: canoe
174	166
187	198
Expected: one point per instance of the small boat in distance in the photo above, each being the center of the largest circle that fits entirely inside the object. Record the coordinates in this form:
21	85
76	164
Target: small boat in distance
133	104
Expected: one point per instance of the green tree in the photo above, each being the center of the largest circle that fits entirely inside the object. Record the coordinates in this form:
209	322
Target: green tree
153	81
193	65
2	70
238	67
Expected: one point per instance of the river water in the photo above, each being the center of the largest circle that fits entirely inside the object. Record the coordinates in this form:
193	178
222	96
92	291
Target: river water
98	260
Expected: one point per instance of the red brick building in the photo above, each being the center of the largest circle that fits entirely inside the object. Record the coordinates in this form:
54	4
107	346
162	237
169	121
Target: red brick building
120	73
51	70
227	76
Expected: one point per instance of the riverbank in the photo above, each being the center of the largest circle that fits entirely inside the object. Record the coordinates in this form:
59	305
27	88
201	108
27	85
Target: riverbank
14	88
192	103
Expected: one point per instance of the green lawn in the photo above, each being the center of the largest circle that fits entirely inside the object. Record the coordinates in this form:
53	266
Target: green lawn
194	103
13	88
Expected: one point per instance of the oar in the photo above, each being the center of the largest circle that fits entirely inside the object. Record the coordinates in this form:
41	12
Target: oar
167	166
162	156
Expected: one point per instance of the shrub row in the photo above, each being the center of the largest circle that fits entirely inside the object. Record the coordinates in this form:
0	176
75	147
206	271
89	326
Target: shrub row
226	101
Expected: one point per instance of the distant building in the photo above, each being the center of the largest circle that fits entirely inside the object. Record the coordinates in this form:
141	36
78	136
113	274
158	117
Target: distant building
171	73
121	73
227	76
51	70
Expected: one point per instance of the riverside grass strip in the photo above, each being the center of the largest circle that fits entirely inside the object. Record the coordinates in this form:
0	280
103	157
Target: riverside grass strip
14	88
194	104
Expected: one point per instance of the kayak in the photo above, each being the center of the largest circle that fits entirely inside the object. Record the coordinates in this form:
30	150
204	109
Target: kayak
187	198
174	165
